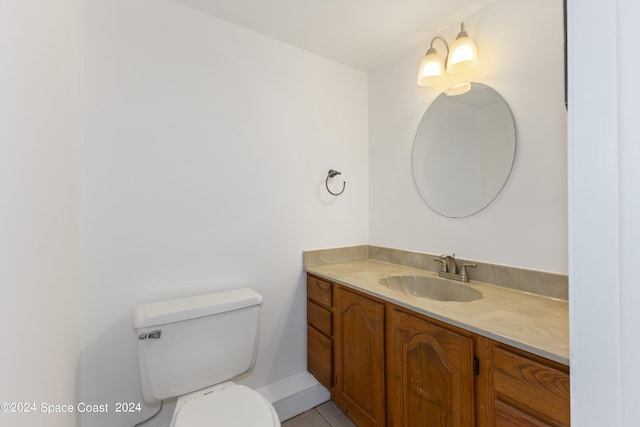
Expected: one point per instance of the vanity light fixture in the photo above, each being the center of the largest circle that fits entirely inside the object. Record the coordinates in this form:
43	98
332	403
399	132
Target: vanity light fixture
461	58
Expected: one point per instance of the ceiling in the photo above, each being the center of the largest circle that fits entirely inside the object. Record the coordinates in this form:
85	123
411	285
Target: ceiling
363	34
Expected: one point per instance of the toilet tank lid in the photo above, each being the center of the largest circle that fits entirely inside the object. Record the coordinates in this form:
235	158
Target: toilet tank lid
175	310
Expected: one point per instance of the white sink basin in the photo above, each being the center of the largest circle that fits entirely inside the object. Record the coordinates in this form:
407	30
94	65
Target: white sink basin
431	287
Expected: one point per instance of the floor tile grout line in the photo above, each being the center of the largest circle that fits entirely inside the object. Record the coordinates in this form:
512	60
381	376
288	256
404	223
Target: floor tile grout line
324	418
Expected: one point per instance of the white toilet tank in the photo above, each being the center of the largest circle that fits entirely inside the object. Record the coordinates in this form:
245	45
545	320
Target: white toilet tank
187	344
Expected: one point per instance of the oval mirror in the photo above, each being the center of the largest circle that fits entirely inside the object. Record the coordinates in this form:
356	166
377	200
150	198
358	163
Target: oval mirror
463	151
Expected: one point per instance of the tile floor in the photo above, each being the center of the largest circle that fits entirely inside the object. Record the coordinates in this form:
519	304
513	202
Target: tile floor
325	415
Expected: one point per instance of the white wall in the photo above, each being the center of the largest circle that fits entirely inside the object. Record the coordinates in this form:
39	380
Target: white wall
605	207
520	45
206	150
40	82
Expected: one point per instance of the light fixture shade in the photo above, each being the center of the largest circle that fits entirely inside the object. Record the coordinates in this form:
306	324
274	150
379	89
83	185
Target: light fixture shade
463	55
431	69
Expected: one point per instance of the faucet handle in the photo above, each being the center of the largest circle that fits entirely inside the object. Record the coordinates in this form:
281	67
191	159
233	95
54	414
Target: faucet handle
443	269
464	275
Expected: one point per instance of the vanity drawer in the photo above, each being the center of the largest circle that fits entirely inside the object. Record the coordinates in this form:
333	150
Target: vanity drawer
524	385
320	357
508	416
319	291
319	318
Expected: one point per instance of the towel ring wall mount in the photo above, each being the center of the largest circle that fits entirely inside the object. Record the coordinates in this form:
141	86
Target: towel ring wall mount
332	174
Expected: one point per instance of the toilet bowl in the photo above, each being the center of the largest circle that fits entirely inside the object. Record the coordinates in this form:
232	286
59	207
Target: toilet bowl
224	405
191	348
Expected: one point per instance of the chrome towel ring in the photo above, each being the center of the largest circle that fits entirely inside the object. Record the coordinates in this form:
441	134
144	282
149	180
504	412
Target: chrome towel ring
331	174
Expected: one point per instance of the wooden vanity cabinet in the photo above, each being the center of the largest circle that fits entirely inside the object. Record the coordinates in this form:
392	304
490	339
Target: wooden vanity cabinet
359	357
430	373
388	366
345	349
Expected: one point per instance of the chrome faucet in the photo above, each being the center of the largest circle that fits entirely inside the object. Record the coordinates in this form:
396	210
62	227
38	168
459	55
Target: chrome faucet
450	270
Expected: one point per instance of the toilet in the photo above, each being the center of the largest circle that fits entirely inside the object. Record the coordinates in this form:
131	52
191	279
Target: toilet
191	348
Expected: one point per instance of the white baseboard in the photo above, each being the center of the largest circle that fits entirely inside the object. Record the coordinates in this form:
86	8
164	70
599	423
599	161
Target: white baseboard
295	394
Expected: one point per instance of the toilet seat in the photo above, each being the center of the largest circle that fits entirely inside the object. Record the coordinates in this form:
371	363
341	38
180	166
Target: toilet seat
224	405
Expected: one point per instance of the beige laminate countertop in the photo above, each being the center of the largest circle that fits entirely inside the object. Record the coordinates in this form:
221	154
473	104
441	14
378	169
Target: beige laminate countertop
534	323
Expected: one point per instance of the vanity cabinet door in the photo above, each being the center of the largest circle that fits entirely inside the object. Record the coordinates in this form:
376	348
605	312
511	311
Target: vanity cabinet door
431	378
359	358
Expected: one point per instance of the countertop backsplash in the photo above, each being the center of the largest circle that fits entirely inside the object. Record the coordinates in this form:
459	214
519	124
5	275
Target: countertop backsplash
544	283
